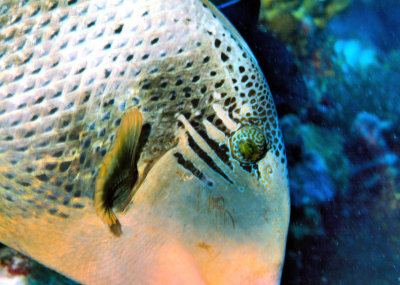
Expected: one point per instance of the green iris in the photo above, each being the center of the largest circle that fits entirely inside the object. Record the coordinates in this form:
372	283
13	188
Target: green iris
249	150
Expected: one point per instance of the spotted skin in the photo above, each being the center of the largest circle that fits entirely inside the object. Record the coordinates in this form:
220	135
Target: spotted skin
69	71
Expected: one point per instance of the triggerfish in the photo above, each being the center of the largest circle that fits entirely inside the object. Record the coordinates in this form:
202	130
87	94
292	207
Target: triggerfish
139	144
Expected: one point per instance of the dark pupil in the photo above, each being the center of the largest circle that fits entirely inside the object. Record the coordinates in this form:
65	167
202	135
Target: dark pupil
248	149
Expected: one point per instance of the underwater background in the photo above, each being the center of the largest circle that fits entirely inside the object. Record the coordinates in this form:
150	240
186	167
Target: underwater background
333	67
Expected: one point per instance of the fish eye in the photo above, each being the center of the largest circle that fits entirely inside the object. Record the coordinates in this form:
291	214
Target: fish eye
248	144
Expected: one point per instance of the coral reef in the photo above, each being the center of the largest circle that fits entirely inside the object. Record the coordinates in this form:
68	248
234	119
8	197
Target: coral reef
294	21
368	224
352	122
17	269
14	267
309	179
375	176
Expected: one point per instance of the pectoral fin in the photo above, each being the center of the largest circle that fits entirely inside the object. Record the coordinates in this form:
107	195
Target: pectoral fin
118	174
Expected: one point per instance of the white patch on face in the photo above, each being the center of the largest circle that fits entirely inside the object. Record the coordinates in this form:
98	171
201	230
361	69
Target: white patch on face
245	109
214	133
224	116
216	95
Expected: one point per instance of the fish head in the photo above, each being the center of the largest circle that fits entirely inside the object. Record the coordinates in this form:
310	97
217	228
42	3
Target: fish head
212	207
222	192
231	216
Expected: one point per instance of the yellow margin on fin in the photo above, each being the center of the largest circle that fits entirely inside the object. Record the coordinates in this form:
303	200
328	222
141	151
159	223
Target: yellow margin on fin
127	139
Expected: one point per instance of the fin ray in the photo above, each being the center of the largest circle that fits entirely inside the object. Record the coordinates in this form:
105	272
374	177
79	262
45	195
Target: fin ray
118	173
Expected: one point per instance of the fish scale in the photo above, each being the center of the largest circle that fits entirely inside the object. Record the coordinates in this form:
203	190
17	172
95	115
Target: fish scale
71	69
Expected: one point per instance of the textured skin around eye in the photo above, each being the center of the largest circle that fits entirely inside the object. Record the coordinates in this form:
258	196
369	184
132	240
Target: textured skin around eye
248	144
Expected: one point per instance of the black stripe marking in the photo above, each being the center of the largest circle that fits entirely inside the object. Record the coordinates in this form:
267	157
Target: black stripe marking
221	150
206	158
187	164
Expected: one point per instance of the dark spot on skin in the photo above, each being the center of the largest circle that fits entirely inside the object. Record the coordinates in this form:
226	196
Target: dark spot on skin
29	169
29	134
51	197
63	215
52	211
50	166
43	177
252	92
189	64
78	206
64	165
224	57
129	57
82	158
24	183
154	41
69	187
119	29
204	246
195	103
87	143
146	86
172	95
219	84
